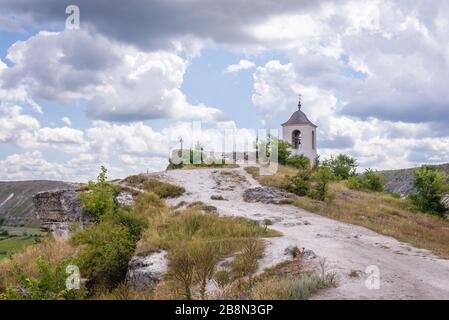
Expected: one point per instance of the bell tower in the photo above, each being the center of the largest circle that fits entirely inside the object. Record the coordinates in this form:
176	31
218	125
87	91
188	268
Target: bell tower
300	133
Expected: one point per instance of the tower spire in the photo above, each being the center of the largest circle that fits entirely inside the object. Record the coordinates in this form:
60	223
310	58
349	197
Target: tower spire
299	101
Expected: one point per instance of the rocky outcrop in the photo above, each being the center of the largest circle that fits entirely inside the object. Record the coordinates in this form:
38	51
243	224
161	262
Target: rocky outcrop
146	271
16	200
267	195
61	212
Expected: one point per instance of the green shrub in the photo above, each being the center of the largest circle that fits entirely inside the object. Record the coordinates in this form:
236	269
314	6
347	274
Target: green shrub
106	249
431	186
299	162
369	180
322	177
298	184
100	198
396	195
342	166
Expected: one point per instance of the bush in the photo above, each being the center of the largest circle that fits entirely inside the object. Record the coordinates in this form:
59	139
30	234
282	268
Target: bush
299	162
396	195
431	186
106	249
100	198
298	184
322	177
342	166
369	180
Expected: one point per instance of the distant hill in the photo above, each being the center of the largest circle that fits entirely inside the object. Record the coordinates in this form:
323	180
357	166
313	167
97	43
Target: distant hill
401	181
16	206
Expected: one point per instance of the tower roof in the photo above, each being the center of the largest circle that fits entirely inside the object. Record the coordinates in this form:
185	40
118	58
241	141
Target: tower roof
298	117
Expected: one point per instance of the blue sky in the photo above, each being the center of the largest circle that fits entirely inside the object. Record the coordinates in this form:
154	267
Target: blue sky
121	89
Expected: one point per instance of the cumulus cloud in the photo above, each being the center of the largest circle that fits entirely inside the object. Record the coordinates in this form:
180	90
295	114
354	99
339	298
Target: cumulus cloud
242	65
119	82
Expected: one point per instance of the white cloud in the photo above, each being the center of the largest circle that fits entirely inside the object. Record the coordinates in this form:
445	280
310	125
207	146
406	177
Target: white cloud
242	65
119	82
67	121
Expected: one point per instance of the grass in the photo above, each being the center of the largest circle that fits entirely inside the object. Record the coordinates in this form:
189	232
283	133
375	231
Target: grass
376	211
151	184
51	250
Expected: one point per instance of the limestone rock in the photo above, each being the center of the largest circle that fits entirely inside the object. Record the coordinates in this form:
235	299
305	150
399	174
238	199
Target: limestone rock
61	212
267	195
146	271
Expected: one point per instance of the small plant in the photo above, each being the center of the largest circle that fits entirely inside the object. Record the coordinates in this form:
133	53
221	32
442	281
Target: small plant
354	274
217	197
396	195
182	270
222	278
246	262
205	257
267	222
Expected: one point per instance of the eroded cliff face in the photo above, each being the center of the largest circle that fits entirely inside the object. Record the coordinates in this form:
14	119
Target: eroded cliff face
61	212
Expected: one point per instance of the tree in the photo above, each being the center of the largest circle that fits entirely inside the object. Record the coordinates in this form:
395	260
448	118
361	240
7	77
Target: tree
342	166
431	186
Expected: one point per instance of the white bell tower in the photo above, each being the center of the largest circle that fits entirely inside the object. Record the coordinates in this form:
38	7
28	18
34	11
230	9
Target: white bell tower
300	133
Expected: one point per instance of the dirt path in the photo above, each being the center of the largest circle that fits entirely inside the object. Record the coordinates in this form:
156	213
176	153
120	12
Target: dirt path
405	272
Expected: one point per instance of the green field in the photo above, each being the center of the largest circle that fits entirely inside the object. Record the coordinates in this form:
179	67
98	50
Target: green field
13	239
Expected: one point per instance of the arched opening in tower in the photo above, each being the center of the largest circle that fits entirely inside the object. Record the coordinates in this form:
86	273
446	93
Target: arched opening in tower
296	139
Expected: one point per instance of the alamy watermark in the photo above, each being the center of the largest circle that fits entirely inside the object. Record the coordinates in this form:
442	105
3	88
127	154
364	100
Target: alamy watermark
72	22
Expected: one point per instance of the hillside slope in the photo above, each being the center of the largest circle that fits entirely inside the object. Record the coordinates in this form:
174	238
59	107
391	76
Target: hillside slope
16	205
401	181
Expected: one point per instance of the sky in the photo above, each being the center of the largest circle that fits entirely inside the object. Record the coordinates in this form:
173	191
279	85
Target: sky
133	77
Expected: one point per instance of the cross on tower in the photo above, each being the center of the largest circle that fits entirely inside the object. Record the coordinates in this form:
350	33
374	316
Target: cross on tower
299	101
